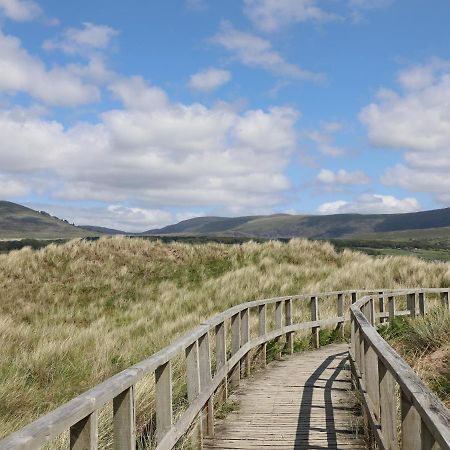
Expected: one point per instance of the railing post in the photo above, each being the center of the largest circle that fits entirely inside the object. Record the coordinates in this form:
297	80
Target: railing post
84	434
391	305
371	311
262	329
124	421
445	299
360	349
371	376
381	306
422	304
354	297
289	347
388	407
245	337
235	345
340	313
411	422
314	318
193	389
427	438
205	381
278	320
412	304
221	356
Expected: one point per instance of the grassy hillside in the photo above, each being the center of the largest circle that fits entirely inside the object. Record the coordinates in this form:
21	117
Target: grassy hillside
317	227
18	222
74	314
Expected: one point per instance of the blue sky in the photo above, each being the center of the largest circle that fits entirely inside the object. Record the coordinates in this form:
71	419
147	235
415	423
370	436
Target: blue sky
138	114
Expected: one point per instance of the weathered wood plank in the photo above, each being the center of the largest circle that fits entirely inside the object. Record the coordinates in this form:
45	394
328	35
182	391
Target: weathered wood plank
314	305
124	421
164	412
84	434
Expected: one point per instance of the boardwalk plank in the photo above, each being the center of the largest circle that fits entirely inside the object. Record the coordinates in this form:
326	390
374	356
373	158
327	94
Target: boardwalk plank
301	403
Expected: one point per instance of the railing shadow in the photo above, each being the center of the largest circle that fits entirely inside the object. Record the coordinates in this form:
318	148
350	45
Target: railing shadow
305	424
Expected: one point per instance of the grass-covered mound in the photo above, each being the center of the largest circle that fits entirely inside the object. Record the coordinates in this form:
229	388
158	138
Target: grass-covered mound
74	314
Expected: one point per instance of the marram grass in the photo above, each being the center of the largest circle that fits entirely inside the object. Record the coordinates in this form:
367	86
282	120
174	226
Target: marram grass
75	314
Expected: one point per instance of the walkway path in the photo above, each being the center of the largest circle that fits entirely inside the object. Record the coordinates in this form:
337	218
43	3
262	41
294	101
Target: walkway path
303	402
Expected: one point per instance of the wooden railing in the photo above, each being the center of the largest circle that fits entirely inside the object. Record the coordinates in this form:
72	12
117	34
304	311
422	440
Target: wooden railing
386	382
208	347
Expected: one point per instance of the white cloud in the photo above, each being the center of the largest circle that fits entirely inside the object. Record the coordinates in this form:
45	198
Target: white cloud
22	72
89	38
209	79
272	15
370	204
255	51
415	120
342	177
10	188
156	152
324	139
20	10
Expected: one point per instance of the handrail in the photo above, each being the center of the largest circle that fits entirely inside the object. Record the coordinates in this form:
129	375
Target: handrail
377	368
80	415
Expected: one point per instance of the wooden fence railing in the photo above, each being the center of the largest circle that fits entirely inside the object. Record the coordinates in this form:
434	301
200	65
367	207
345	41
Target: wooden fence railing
388	386
80	415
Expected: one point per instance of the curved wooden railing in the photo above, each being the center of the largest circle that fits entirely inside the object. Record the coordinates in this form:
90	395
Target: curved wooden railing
387	383
207	346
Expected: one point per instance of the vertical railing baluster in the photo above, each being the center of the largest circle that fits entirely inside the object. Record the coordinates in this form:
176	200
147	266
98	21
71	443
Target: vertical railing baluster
422	303
205	381
445	299
315	317
412	304
411	422
340	313
388	407
354	297
391	306
427	439
371	377
289	347
278	321
221	357
125	421
84	434
381	306
193	389
262	329
245	337
235	345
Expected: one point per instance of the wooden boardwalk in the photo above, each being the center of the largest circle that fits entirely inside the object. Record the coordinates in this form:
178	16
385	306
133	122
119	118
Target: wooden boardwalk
303	402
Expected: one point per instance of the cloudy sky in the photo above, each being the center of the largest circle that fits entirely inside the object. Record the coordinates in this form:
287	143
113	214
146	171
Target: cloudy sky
135	114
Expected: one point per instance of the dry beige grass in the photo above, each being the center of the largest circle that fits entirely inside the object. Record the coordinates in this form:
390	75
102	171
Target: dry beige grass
73	315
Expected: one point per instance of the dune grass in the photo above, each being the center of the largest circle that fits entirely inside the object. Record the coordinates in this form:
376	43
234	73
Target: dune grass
425	344
72	315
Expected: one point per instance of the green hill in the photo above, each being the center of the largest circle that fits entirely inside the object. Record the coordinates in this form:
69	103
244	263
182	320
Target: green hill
317	227
19	222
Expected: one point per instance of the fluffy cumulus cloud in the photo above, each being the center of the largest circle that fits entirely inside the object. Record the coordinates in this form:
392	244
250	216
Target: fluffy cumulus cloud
255	51
324	139
370	204
22	72
342	177
209	79
157	152
415	119
10	187
271	15
89	38
20	10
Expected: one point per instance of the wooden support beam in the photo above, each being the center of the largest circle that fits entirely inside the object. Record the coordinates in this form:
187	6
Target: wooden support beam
245	337
422	303
84	434
204	362
445	299
278	320
235	346
193	389
125	421
289	347
388	407
221	357
314	305
262	329
381	306
371	377
411	424
391	306
340	313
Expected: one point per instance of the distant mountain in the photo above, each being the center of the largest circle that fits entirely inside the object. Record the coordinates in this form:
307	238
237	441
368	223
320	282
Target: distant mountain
18	222
317	227
92	229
